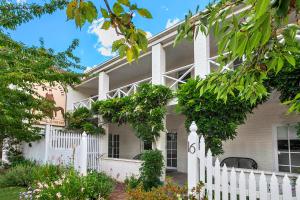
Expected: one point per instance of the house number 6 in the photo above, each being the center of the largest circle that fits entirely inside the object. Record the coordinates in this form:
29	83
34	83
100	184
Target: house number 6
192	148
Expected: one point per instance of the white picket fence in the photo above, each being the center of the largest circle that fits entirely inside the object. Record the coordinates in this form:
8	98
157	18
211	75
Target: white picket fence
71	148
235	184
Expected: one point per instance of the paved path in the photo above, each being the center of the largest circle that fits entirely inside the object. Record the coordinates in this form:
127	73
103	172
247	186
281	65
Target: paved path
119	192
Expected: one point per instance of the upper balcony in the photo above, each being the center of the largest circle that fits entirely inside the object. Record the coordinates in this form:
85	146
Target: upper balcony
161	64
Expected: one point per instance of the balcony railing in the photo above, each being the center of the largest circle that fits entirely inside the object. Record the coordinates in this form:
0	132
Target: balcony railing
213	62
175	77
127	89
87	103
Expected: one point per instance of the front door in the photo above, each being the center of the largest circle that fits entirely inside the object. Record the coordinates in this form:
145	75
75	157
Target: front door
172	150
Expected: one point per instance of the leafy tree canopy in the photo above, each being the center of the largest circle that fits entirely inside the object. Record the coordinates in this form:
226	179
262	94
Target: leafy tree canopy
118	16
263	37
23	67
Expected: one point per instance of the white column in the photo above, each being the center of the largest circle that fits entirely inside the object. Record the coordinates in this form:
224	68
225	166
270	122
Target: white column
193	146
158	64
103	89
103	86
201	55
47	142
158	68
83	154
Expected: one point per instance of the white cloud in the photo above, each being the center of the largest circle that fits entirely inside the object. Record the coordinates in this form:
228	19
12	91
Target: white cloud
105	37
21	1
172	22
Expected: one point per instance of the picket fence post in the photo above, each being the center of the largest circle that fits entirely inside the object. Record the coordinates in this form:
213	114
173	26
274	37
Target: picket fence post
47	142
193	147
83	154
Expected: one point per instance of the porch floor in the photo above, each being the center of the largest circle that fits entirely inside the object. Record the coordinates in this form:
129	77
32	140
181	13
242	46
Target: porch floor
178	177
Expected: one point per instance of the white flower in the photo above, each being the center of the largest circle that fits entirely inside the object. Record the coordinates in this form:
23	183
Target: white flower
58	195
40	185
46	185
82	189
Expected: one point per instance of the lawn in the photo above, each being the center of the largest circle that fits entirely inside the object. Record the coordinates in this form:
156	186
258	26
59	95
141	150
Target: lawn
10	193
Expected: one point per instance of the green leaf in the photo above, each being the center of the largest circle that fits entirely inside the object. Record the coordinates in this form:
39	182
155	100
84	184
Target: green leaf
106	25
129	55
104	13
144	13
267	31
290	59
279	65
117	44
71	10
118	9
298	5
91	11
261	7
124	2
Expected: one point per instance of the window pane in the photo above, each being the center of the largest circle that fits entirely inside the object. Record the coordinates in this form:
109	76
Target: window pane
293	132
282	133
283	159
295	159
296	170
284	168
283	145
295	145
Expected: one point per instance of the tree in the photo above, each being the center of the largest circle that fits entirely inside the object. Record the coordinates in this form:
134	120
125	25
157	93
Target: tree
23	67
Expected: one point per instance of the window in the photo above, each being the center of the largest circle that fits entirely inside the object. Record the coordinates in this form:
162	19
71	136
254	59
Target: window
172	150
288	145
147	145
113	146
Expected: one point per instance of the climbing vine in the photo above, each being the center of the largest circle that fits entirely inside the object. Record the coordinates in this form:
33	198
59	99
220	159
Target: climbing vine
144	110
217	120
83	119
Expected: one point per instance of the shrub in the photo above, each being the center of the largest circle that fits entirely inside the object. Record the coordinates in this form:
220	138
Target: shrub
73	186
132	182
169	191
28	173
19	175
151	169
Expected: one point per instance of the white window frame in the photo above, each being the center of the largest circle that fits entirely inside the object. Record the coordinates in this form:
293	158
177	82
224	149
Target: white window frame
275	146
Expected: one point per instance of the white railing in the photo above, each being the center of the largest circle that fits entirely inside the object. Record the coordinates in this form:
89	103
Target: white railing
85	102
221	182
70	148
213	62
120	169
127	89
177	76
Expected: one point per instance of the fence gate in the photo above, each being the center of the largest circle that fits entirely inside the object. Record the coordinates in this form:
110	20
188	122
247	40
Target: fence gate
65	147
223	183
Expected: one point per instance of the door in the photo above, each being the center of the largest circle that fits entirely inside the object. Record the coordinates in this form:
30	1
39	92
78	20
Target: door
172	150
113	146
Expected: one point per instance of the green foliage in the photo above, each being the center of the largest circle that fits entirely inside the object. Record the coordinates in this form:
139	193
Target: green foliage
132	182
152	169
73	186
217	121
28	173
251	36
14	14
118	17
169	191
144	110
83	119
23	67
98	183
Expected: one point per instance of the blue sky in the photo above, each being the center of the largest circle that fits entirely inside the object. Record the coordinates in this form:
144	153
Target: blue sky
95	44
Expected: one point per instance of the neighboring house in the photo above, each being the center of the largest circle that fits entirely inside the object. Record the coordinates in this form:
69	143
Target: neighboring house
36	150
268	136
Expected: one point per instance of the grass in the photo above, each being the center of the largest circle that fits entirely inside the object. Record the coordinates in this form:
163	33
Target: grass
10	193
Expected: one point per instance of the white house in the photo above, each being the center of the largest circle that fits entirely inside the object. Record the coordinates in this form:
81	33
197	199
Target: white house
268	136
